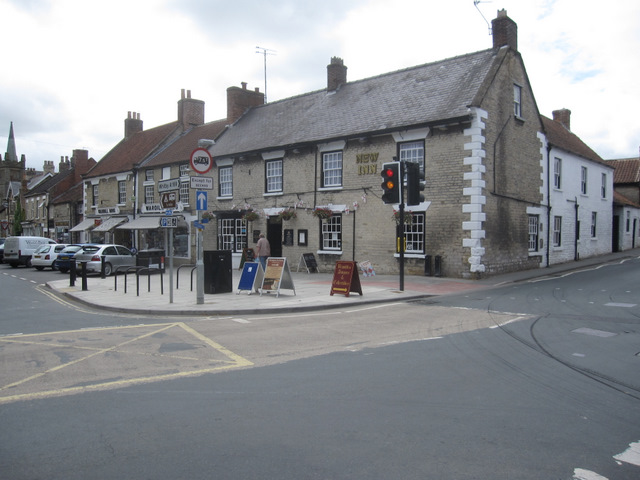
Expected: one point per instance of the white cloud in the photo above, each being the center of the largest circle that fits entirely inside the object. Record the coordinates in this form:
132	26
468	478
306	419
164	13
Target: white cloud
76	67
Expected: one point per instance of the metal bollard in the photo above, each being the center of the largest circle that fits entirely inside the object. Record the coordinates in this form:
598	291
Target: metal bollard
72	273
84	276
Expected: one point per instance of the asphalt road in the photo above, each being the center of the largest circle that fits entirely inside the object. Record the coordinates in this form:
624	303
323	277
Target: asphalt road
538	380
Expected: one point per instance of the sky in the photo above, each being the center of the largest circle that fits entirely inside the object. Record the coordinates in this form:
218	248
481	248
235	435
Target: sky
73	69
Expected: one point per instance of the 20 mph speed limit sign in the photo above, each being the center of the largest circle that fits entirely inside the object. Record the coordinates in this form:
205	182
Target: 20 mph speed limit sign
201	161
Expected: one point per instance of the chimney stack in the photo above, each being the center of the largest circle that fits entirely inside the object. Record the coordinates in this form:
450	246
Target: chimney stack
132	124
505	31
49	167
563	116
336	74
190	110
239	100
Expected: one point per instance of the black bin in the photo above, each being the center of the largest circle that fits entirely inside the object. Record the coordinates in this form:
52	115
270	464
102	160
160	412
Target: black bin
152	258
217	271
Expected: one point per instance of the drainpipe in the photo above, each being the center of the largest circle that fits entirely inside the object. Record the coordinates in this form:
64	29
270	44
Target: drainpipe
548	203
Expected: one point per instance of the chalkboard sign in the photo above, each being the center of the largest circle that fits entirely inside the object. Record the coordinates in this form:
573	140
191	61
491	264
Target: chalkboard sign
308	260
248	255
345	279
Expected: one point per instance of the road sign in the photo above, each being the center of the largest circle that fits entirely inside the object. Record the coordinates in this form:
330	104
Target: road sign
168	199
201	200
202	183
169	222
168	185
201	161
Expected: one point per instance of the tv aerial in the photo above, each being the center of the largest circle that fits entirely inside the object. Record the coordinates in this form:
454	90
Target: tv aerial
475	4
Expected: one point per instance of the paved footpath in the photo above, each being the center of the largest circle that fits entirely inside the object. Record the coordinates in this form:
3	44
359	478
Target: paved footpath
311	291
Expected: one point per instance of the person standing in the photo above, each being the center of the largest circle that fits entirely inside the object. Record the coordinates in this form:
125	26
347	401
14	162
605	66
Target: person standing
263	250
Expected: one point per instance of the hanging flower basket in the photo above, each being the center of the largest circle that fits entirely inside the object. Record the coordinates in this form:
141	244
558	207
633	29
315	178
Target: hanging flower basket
206	216
408	218
322	213
250	216
288	214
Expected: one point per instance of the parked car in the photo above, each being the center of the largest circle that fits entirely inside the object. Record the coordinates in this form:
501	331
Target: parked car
1	249
63	262
18	250
45	256
114	256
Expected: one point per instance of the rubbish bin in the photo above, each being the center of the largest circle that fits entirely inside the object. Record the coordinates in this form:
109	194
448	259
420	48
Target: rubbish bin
152	258
217	271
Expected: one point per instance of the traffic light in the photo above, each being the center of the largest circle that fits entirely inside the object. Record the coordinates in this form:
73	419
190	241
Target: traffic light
415	184
391	182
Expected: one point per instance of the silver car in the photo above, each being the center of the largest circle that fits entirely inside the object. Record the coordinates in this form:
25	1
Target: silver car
46	255
115	256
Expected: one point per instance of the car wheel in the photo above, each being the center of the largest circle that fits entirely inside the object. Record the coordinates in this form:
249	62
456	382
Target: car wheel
63	270
40	268
14	265
28	264
108	269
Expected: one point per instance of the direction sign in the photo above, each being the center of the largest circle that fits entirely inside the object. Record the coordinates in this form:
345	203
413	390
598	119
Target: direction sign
168	199
168	185
169	222
201	200
201	161
202	183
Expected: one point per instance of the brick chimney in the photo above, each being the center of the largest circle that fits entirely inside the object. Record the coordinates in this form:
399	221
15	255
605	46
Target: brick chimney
239	100
336	74
190	110
563	116
505	31
132	124
63	166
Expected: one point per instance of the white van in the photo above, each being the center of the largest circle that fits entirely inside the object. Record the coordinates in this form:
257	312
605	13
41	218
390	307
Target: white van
18	250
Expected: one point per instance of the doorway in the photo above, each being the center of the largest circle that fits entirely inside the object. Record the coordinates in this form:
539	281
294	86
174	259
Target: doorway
274	235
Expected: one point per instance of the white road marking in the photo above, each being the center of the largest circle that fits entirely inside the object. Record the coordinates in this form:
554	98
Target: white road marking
581	474
595	333
630	455
240	320
616	304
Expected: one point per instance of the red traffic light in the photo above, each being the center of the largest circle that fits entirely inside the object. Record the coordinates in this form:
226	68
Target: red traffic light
391	182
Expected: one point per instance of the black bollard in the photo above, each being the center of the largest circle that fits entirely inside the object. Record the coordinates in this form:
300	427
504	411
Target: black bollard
72	273
84	276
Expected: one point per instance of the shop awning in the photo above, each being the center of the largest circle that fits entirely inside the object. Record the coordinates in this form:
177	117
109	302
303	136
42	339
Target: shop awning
142	223
86	224
109	224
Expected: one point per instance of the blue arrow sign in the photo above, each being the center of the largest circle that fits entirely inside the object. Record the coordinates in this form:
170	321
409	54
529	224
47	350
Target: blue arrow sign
201	200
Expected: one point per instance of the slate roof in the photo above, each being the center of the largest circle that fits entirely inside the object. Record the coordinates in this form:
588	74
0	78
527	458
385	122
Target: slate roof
627	170
559	136
619	199
132	150
416	96
181	148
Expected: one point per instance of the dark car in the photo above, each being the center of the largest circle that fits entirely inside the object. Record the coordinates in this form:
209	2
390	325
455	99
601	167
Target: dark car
1	249
63	262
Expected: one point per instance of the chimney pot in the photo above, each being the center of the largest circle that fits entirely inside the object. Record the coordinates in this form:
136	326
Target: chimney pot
244	85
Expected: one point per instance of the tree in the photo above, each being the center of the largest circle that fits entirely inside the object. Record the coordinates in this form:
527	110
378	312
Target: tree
19	216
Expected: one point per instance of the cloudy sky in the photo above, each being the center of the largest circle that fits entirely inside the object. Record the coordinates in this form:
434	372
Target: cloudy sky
72	69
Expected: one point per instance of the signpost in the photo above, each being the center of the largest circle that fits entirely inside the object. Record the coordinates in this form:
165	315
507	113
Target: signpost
200	162
345	279
168	223
202	183
168	185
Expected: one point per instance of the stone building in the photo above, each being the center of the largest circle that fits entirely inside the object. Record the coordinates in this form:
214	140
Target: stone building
470	122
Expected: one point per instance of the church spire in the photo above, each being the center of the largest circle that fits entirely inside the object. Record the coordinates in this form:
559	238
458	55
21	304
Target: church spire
11	154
